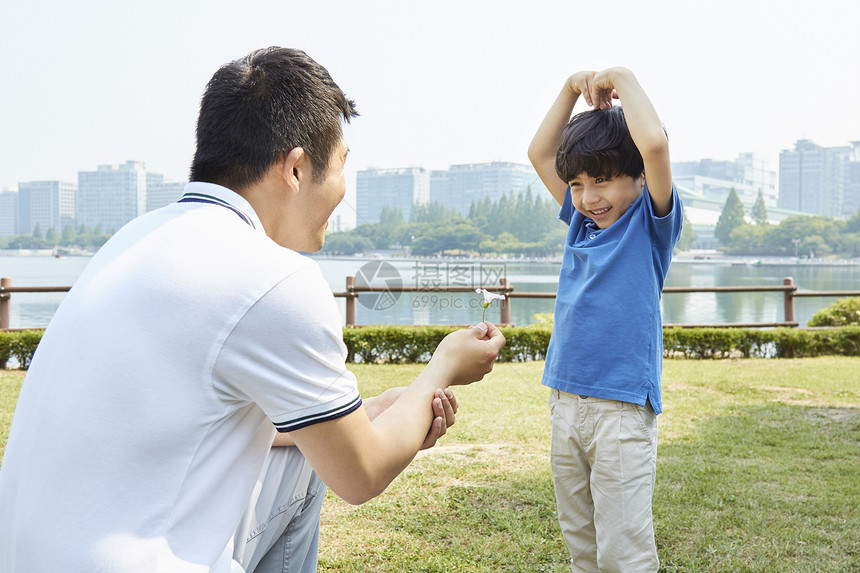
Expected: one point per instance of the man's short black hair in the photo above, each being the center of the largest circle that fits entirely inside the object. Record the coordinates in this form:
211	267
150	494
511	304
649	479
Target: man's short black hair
598	143
257	109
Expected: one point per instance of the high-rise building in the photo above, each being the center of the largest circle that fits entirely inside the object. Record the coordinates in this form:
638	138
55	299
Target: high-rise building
812	179
45	205
851	195
376	189
748	175
112	195
8	213
160	193
462	185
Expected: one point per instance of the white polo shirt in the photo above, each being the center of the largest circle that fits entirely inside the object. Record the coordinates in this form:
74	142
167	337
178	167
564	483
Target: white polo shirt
153	398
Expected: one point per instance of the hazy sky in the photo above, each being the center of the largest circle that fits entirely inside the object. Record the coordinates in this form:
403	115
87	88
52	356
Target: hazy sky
437	83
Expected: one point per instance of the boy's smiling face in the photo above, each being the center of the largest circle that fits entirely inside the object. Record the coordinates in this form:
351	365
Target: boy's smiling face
605	199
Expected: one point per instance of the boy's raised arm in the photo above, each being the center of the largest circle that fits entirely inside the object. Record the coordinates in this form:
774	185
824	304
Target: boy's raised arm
645	129
544	145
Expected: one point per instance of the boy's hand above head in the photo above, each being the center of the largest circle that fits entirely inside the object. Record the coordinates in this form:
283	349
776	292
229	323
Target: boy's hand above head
604	83
594	93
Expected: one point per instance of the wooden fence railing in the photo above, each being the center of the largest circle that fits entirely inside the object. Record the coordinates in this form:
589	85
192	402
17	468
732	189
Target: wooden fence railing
787	288
353	291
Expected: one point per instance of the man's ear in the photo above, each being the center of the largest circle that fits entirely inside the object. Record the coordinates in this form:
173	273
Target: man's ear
294	167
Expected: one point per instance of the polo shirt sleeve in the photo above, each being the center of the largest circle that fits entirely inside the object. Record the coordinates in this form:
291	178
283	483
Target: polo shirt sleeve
287	355
666	230
566	212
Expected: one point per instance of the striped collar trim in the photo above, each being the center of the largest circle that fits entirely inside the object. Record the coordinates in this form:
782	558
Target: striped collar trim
199	192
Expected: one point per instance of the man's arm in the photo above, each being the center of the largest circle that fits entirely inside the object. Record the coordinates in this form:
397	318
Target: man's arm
358	458
544	146
645	129
444	407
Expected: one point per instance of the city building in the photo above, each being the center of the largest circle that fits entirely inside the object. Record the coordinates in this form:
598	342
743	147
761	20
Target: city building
819	180
8	212
160	193
111	196
851	194
461	185
748	175
45	205
376	189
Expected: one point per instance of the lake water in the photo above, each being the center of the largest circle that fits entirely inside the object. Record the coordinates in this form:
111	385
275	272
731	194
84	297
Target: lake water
35	310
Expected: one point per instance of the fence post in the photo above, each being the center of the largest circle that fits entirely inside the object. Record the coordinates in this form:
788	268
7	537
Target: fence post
788	298
5	303
350	301
505	303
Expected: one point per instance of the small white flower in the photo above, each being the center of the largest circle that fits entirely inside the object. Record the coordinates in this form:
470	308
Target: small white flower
489	297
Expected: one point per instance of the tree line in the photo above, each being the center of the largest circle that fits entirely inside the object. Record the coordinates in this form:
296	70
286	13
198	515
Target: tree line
517	224
802	236
80	237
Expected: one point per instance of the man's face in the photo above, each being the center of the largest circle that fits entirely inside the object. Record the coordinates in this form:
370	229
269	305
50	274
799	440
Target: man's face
602	199
322	197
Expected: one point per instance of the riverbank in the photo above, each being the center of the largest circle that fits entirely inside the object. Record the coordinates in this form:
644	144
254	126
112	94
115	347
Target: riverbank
683	258
717	258
57	252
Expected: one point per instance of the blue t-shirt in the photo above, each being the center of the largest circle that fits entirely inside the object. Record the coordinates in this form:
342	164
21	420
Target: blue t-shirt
607	340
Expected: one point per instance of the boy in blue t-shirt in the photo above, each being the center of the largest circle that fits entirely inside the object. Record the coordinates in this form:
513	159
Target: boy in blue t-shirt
610	172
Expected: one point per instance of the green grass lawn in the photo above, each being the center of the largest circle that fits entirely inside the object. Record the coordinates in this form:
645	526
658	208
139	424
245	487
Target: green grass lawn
758	470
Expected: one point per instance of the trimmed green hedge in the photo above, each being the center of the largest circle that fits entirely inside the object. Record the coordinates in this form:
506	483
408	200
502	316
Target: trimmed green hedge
772	343
400	344
396	344
21	344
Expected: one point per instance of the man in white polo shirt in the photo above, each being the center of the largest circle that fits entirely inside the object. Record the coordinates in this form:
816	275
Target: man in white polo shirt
146	420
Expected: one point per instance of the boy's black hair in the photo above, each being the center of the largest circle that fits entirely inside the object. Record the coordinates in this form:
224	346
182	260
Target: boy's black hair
598	143
258	108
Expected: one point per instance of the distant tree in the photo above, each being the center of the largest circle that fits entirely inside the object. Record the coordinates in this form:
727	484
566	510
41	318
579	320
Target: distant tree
391	216
37	232
504	243
851	245
688	236
748	239
731	217
802	227
432	213
759	210
69	236
346	244
455	236
52	236
853	224
815	245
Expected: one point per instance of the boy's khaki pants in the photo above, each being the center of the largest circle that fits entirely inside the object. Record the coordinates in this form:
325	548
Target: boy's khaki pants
604	462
